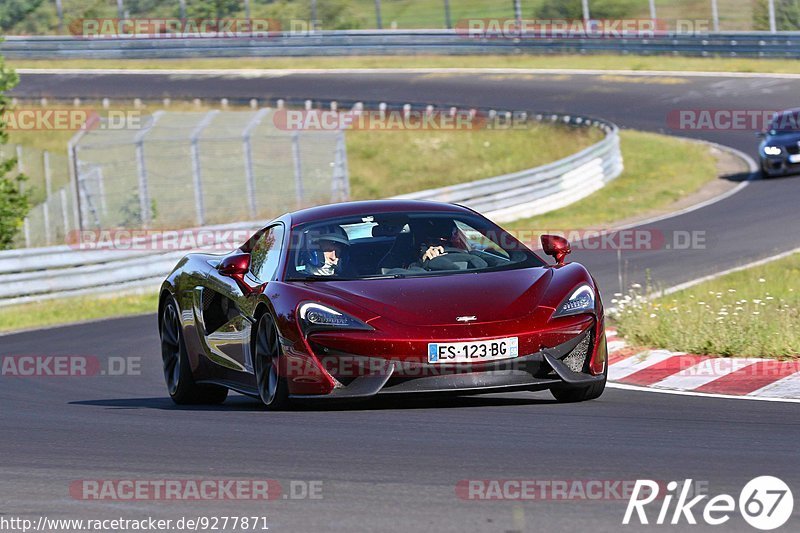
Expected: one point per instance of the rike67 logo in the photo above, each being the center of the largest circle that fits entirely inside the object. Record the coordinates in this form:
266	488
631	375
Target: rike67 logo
765	503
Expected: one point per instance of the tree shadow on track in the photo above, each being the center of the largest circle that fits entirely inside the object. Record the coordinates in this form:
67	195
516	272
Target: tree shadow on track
238	403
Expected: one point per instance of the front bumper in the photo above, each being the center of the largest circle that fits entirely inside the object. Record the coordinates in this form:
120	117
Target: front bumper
778	166
564	365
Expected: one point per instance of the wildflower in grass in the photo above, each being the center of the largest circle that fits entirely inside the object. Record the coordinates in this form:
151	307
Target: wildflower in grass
762	280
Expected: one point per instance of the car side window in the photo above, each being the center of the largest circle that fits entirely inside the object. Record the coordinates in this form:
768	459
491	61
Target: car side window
265	253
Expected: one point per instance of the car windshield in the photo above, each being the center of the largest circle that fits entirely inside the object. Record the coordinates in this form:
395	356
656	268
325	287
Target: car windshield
399	245
786	122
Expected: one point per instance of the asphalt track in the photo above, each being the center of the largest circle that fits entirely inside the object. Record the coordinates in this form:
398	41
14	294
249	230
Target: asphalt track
395	465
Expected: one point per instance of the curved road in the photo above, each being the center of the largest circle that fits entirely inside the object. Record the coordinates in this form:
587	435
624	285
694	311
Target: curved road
395	465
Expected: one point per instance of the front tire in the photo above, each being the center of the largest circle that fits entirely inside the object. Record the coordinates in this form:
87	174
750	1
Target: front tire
273	388
177	372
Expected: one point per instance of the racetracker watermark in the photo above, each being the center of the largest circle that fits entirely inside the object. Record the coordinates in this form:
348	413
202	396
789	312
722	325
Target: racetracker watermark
512	28
632	240
119	525
225	239
523	28
765	503
397	120
69	366
194	489
143	240
732	120
70	119
174	28
551	489
80	366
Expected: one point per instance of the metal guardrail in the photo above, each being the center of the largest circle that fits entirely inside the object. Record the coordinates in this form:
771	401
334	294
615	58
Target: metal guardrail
401	42
35	274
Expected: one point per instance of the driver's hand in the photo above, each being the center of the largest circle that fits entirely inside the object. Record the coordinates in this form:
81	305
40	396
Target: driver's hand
433	251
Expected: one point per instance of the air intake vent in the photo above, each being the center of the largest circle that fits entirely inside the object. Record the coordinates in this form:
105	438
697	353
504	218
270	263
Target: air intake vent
576	359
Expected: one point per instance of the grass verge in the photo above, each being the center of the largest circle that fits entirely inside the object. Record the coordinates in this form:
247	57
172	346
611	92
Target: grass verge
659	170
594	62
750	313
388	163
70	310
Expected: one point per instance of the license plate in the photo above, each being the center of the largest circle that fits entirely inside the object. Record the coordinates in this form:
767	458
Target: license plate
473	351
794	158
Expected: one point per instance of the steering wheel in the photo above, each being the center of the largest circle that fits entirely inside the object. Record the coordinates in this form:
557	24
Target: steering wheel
452	256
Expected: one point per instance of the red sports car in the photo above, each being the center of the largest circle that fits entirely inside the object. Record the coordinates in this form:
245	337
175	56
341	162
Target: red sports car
357	299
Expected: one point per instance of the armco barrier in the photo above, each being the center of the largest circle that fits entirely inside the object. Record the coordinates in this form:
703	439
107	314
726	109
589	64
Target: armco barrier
401	42
35	274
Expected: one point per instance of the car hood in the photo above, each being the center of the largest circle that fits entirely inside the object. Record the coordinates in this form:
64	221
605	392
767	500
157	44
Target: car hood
439	300
782	139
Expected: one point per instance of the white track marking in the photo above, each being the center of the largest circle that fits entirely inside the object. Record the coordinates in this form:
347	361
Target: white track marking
697	281
633	364
623	386
615	346
703	372
786	387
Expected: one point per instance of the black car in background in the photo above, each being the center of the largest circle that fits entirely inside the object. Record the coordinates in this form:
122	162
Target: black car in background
779	150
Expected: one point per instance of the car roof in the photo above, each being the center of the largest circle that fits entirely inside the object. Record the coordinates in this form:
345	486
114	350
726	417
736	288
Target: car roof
371	207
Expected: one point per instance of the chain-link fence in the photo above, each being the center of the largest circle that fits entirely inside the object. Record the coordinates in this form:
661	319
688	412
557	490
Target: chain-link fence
52	198
188	169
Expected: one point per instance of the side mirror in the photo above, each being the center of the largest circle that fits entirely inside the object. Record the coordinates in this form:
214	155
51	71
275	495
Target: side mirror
556	246
235	265
761	134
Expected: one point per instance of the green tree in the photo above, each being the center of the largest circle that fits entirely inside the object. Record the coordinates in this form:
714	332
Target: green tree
787	15
14	203
13	11
214	9
598	9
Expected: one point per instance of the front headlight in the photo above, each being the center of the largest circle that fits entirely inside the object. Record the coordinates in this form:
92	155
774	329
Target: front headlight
772	150
314	316
581	301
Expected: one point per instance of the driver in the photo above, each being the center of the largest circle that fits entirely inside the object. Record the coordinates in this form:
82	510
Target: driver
436	236
328	255
442	248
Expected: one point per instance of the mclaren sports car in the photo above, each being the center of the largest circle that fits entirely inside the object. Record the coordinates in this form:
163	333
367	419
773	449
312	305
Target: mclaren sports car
388	297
